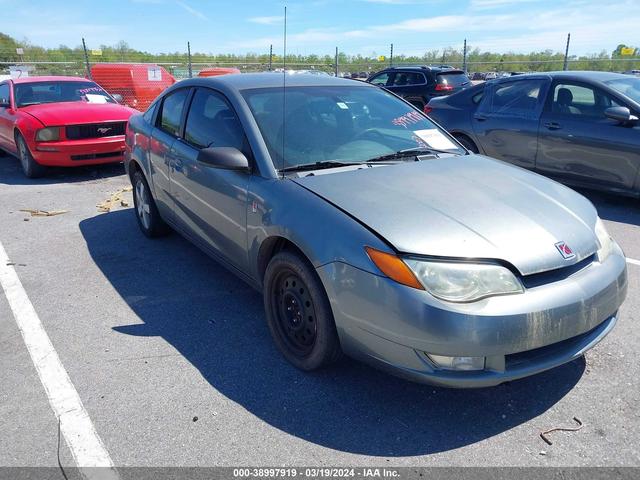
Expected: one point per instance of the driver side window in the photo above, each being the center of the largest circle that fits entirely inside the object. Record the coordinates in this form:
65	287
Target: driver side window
580	101
4	93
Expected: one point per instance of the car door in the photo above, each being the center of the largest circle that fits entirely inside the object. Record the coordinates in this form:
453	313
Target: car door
211	202
579	144
167	127
6	119
507	119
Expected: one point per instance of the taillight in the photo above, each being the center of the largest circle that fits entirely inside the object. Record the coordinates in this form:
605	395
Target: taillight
427	109
443	87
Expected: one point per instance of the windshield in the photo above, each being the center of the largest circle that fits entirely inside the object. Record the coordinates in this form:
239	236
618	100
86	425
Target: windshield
342	123
59	91
627	86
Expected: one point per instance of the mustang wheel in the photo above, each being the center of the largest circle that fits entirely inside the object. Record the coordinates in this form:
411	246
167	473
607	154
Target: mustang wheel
299	314
147	213
30	167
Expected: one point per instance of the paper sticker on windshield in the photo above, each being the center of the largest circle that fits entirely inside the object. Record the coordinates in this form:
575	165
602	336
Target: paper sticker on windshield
95	98
435	139
154	74
342	105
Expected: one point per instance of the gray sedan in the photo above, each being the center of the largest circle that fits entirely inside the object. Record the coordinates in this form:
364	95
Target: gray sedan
371	231
580	128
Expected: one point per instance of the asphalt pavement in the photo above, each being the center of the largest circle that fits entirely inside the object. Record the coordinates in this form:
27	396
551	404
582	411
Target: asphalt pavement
172	359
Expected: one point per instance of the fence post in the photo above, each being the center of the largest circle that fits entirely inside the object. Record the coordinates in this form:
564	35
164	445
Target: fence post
86	60
391	57
566	54
189	59
337	70
270	56
464	57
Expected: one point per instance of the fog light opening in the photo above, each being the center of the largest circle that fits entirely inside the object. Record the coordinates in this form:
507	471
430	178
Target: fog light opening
457	363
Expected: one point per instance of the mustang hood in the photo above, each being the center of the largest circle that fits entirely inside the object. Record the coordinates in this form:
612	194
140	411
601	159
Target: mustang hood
74	113
467	206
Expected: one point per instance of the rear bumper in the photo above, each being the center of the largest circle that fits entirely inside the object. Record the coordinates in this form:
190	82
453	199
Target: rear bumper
71	153
394	327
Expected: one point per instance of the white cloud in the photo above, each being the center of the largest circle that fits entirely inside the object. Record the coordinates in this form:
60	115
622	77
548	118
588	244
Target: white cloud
266	20
491	4
193	11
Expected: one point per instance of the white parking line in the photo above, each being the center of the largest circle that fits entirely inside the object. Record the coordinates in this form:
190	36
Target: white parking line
633	262
76	426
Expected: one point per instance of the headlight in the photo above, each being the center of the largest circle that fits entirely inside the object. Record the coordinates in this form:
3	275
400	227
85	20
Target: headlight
605	242
48	134
464	282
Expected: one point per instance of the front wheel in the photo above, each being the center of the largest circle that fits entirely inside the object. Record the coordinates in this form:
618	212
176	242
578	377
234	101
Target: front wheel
147	213
30	167
298	313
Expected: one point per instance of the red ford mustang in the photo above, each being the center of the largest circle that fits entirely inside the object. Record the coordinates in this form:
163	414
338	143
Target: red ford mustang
60	121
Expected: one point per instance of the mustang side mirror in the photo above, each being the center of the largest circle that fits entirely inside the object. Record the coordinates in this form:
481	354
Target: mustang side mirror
227	158
117	97
620	114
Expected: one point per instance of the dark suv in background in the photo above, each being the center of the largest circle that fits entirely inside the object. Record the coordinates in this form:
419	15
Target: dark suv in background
420	84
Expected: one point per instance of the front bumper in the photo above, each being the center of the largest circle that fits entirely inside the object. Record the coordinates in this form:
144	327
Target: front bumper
392	326
72	153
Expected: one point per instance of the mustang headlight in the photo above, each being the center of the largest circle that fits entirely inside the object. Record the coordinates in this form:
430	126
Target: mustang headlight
605	242
49	134
464	282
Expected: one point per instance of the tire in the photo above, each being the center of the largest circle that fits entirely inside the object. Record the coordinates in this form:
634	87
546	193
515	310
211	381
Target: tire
30	167
467	143
299	314
149	219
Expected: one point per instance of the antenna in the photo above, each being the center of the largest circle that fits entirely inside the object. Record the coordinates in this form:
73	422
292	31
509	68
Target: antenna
284	85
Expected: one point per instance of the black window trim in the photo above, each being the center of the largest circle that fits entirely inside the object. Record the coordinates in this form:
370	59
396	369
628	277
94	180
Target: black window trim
157	121
185	113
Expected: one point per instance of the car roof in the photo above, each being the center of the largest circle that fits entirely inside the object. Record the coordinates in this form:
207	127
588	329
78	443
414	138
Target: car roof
569	75
49	78
248	81
422	68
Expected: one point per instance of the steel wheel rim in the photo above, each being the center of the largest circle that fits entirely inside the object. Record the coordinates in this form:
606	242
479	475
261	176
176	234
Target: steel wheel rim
143	206
295	313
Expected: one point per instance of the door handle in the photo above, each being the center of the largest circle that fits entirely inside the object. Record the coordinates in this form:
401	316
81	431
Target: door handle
552	125
480	117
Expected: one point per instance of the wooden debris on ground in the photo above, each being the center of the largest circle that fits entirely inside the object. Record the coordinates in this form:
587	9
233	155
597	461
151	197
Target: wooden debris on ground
114	200
43	213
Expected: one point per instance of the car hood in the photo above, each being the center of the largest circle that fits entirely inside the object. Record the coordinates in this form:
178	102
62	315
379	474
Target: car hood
465	207
73	113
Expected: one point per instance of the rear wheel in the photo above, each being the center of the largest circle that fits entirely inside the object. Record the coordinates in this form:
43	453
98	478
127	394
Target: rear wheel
466	142
147	213
298	313
30	167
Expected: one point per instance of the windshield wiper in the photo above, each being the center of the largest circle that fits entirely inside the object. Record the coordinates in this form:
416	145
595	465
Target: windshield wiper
318	166
409	152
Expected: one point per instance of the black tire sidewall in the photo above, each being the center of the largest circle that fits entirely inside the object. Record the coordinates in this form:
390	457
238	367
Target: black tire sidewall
157	226
32	168
467	143
326	349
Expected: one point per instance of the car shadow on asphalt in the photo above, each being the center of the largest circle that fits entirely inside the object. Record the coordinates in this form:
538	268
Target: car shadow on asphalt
217	323
11	173
615	208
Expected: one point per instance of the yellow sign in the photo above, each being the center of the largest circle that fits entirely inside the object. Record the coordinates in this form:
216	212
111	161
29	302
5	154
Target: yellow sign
98	53
382	58
627	51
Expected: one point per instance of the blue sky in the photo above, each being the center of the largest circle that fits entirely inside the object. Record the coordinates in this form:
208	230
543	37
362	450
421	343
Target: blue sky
318	26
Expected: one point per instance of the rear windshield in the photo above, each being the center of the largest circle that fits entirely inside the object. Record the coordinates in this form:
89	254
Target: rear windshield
455	79
34	93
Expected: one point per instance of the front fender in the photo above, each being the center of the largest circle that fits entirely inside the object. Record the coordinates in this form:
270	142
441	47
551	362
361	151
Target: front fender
324	233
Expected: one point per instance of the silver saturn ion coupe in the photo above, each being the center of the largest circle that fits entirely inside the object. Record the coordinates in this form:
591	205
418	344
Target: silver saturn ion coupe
371	231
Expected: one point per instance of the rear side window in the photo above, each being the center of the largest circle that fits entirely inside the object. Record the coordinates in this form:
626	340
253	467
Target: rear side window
171	113
211	122
516	98
408	78
455	79
4	93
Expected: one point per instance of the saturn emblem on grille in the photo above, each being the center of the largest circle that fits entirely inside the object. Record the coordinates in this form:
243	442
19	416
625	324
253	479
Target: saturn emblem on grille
103	130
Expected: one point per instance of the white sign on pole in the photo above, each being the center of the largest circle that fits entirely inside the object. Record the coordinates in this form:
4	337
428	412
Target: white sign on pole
20	51
154	74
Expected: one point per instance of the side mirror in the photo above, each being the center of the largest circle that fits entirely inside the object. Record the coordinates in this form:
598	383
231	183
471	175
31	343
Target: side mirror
620	114
227	158
117	97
